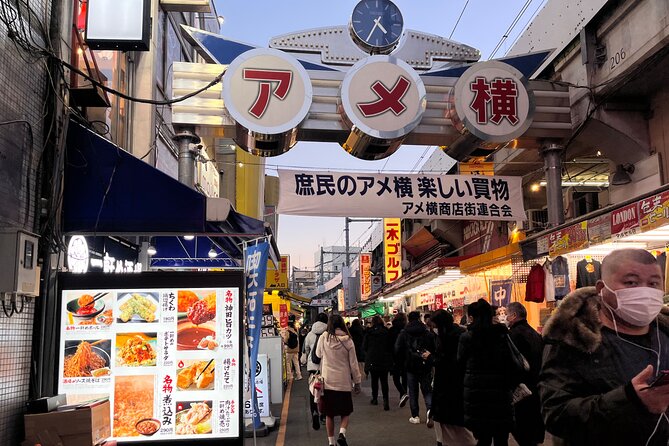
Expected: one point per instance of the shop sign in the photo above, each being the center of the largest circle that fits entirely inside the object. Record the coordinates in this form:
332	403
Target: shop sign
424	299
599	229
477	168
283	315
377	283
654	212
454	302
493	102
267	91
500	292
321	302
438	301
365	275
571	238
470	289
268	329
431	196
383	97
482	236
194	325
625	221
262	389
392	251
81	259
278	278
341	301
542	244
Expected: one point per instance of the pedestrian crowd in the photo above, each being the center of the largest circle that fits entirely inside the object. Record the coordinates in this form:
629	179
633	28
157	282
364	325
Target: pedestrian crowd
597	375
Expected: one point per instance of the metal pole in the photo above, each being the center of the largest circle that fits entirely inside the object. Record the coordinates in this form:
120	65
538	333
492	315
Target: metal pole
346	230
552	155
184	138
321	281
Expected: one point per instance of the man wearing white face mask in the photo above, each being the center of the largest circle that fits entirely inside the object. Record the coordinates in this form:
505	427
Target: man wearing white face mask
605	345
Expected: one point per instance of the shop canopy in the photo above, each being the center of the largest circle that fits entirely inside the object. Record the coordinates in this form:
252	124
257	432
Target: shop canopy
110	192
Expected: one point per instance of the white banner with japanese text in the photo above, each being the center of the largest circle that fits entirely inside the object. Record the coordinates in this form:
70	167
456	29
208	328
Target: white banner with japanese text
400	195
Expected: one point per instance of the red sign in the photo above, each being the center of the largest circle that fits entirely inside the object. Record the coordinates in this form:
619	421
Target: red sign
625	221
283	315
365	275
438	301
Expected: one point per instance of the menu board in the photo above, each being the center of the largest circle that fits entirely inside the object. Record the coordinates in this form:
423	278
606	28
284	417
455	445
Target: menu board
168	357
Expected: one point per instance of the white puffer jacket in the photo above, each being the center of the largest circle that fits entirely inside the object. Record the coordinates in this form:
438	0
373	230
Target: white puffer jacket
339	365
310	344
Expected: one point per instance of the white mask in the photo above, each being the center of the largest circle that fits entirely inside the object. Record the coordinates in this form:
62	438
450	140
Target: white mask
638	306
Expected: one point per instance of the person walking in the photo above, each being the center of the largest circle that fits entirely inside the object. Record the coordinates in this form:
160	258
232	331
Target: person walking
529	428
484	353
447	392
309	354
340	372
358	336
292	344
378	359
414	343
398	371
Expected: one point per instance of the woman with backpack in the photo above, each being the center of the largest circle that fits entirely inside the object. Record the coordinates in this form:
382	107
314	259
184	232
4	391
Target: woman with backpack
292	343
313	362
340	372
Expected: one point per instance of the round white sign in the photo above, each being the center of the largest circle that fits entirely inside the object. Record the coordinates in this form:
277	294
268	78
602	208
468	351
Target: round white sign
267	91
383	97
493	102
77	254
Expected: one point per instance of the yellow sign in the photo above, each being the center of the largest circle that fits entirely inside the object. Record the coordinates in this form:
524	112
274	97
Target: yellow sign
365	275
278	278
392	248
477	168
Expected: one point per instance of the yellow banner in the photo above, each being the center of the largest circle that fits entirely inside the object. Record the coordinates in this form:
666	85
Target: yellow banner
277	279
392	248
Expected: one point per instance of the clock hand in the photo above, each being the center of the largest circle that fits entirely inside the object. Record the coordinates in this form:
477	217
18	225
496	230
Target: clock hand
378	23
372	30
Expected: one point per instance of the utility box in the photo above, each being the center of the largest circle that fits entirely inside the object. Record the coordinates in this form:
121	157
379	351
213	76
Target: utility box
19	272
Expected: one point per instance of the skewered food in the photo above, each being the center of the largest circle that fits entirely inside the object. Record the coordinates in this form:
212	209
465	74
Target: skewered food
139	305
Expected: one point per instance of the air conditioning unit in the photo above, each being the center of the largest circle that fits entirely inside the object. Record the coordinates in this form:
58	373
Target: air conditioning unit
536	219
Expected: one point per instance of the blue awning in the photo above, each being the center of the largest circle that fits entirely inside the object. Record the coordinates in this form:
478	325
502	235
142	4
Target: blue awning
108	191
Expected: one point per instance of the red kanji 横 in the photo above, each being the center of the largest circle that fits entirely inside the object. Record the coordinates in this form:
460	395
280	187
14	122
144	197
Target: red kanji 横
501	94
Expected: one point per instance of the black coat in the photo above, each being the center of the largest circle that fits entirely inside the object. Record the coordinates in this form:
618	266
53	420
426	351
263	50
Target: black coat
378	349
447	392
489	380
398	360
529	422
358	335
415	336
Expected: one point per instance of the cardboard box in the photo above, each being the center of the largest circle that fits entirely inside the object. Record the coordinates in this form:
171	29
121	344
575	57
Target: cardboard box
87	425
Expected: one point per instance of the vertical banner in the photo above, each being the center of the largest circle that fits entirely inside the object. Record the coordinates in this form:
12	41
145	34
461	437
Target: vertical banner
341	302
283	316
365	275
392	248
500	292
256	268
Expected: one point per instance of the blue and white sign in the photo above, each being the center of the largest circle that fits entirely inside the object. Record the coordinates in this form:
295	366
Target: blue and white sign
500	292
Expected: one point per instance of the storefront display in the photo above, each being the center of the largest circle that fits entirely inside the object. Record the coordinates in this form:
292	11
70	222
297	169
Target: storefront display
165	349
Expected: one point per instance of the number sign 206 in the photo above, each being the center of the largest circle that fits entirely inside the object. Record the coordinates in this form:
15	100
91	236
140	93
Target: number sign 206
617	58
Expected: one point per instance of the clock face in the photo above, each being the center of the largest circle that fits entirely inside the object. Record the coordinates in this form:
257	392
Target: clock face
377	24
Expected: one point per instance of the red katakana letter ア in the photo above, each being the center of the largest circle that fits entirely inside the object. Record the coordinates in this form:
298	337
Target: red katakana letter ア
284	80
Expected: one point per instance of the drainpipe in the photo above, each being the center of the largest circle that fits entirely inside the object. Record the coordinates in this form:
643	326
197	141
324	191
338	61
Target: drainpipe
552	155
184	138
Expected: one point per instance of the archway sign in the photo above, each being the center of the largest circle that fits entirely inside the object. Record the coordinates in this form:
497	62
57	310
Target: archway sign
372	86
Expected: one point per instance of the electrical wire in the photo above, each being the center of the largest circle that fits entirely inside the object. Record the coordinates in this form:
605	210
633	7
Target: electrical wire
458	21
508	31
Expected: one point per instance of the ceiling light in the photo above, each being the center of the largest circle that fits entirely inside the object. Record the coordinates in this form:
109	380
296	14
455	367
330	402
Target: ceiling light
151	250
212	253
241	164
622	174
535	187
189	237
581	183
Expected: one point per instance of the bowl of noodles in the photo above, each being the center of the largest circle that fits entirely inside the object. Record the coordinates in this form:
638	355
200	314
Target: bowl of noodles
86	360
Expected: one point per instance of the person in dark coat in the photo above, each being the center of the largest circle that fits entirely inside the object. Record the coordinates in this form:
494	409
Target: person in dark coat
398	371
447	392
489	381
529	429
414	344
358	336
378	359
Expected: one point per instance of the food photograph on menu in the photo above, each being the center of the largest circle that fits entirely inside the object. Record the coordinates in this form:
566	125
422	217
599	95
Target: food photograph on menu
133	405
193	418
85	309
136	349
137	307
196	325
196	374
90	358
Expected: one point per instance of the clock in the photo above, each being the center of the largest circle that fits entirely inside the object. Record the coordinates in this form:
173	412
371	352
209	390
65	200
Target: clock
376	25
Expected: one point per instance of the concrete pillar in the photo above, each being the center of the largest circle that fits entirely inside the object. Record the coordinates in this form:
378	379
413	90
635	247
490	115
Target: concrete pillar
552	155
184	138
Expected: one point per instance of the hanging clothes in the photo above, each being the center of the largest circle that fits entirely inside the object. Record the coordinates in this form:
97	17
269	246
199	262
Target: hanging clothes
549	282
560	270
535	290
588	272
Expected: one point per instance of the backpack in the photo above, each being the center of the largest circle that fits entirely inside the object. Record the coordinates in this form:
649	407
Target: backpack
292	340
315	359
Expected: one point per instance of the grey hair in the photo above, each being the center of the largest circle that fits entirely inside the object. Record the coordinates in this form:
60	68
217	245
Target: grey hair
517	308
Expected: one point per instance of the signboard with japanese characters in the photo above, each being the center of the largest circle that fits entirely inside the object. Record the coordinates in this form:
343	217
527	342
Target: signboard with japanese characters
277	278
392	248
493	102
571	238
455	197
654	211
481	236
500	292
283	315
163	347
625	221
262	389
341	301
365	275
599	229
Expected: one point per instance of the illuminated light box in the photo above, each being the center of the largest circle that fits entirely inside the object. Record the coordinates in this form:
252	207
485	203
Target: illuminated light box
123	25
